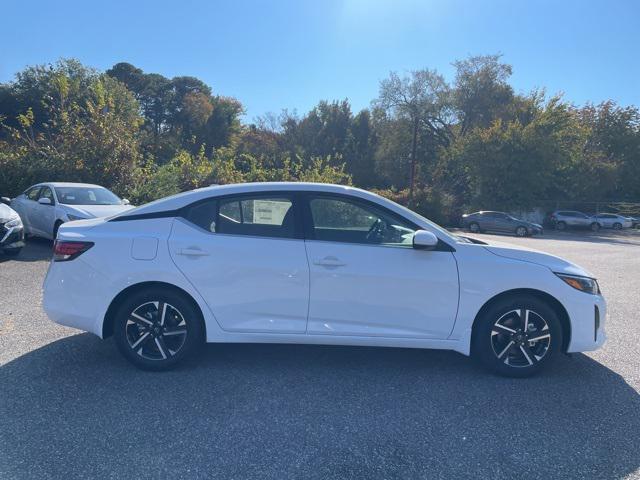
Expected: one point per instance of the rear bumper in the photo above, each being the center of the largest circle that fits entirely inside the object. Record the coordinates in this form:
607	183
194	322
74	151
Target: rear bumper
66	299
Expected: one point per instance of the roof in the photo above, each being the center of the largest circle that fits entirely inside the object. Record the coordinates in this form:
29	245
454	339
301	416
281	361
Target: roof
69	184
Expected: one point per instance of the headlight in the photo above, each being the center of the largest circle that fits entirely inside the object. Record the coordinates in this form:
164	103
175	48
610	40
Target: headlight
15	222
584	284
75	217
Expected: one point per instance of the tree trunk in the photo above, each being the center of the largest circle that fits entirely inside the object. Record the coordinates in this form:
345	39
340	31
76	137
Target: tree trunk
414	148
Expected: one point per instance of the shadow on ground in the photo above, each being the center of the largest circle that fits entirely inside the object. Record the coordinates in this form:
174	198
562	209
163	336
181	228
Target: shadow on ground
36	249
75	409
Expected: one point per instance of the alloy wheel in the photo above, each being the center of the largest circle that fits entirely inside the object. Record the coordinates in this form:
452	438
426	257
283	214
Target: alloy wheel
520	338
474	227
521	231
156	330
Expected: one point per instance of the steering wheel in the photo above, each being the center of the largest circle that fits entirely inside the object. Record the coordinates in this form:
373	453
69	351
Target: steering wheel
377	230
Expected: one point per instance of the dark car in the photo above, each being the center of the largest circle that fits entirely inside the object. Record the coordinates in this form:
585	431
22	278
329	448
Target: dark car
486	221
11	229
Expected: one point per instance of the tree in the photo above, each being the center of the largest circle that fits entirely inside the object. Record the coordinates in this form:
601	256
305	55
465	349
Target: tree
482	93
421	98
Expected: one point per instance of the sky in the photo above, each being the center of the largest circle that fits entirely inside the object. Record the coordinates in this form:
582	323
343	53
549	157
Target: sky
289	54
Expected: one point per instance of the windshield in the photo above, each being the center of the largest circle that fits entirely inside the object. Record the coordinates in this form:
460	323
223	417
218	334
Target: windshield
86	196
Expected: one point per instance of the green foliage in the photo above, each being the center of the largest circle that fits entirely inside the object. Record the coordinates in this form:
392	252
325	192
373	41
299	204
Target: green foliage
439	147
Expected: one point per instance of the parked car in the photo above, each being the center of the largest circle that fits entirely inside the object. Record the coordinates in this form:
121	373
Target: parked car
486	221
315	264
46	206
635	221
11	229
563	219
612	220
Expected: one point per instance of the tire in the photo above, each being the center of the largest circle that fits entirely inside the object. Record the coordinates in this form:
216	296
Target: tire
521	232
12	252
56	227
474	227
151	344
561	226
617	226
595	226
508	351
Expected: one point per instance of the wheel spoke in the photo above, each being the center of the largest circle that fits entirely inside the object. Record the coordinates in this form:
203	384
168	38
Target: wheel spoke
528	354
502	327
162	312
175	331
135	318
162	348
141	340
506	349
539	336
526	320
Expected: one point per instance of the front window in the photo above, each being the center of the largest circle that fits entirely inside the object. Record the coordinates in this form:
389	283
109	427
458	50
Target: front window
342	220
86	196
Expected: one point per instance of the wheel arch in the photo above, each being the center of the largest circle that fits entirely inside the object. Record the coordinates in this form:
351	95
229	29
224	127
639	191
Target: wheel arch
544	296
109	317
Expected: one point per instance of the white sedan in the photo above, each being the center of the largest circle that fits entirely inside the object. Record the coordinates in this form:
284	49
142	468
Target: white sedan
46	206
316	264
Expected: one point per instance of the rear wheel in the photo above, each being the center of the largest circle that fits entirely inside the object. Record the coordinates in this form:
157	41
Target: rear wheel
595	226
561	226
474	227
517	336
157	328
617	226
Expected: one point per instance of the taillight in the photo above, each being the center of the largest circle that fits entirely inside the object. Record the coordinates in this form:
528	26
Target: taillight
68	250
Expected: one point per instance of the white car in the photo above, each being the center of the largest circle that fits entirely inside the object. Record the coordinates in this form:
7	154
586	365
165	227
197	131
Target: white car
611	220
315	264
46	206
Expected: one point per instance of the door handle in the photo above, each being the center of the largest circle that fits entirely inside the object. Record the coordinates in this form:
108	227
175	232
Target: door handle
192	252
329	262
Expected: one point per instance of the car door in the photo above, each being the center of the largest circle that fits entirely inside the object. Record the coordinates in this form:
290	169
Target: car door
246	257
25	205
44	216
504	223
486	221
368	280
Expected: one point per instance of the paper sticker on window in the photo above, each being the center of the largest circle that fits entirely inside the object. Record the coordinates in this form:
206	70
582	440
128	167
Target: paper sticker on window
270	212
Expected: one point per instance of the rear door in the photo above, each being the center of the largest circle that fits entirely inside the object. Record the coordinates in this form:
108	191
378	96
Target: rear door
366	277
246	256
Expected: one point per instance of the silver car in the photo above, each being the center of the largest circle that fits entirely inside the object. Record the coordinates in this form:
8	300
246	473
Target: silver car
612	220
487	221
563	219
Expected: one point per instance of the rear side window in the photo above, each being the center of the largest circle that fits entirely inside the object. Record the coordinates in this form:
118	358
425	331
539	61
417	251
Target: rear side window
263	216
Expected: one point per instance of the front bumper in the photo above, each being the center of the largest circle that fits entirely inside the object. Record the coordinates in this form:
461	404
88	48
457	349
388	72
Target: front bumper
587	324
11	237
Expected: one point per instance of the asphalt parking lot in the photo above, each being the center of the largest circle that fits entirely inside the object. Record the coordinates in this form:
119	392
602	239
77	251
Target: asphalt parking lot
71	407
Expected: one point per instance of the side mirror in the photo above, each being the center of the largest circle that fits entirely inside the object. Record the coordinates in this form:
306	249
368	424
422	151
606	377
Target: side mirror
424	240
125	201
44	201
5	200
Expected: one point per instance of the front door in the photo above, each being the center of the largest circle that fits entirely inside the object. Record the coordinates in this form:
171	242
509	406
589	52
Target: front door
368	280
43	216
246	257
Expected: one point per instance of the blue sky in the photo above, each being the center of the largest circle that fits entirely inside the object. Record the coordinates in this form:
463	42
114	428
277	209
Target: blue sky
290	54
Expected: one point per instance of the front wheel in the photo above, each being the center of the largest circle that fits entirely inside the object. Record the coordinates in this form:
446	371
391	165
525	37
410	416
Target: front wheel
617	226
474	227
561	226
157	328
595	226
521	232
517	336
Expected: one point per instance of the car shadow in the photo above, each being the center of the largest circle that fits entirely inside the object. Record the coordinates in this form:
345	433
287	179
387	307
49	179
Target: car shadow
74	408
35	250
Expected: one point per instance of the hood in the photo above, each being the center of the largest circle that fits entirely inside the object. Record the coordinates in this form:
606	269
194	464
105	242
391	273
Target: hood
6	213
96	211
555	264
